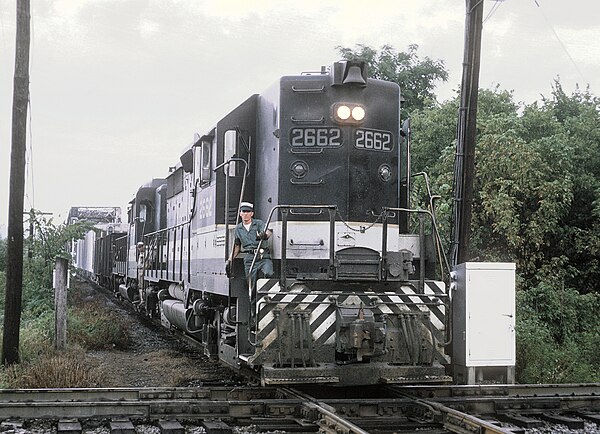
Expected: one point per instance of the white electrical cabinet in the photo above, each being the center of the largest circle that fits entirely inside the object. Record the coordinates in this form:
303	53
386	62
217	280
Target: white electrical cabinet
483	313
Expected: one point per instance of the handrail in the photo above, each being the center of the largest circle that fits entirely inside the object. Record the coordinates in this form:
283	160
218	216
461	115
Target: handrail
288	208
168	228
431	215
226	207
386	213
155	243
253	295
432	198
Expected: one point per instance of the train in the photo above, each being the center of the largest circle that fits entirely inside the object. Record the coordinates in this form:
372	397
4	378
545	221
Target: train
360	292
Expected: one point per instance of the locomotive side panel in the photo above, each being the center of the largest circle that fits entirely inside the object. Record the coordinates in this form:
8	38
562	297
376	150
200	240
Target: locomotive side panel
233	140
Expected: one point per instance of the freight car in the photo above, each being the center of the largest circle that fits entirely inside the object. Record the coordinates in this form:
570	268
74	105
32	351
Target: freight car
356	297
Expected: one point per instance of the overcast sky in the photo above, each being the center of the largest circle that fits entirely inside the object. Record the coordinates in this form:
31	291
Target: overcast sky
118	88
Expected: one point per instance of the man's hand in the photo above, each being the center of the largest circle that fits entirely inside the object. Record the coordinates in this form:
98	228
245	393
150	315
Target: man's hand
228	268
262	236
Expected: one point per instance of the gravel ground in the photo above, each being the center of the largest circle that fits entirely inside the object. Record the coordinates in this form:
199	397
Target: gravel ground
590	428
155	358
49	428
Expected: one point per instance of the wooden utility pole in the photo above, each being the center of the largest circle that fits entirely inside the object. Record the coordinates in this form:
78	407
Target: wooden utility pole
464	167
14	245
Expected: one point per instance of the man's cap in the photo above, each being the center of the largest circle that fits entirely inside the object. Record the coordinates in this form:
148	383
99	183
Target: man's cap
246	206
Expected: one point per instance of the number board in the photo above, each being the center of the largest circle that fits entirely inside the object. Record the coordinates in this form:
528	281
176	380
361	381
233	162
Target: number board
318	137
373	140
331	137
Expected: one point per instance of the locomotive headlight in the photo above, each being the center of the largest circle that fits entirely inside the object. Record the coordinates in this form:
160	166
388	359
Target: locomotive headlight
358	113
348	113
343	112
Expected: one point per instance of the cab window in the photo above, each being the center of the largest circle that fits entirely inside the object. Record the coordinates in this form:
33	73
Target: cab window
230	144
205	160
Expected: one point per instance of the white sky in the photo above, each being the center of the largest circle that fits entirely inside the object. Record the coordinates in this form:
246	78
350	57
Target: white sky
119	87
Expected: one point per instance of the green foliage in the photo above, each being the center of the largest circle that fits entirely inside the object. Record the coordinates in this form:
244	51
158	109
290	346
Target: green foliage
48	242
2	255
37	336
2	289
558	335
94	327
434	134
416	77
537	203
90	326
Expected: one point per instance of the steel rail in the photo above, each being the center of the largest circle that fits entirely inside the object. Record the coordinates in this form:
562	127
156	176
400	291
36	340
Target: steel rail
456	409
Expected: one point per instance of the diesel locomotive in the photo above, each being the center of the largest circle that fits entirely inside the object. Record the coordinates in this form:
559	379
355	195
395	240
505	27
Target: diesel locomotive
357	296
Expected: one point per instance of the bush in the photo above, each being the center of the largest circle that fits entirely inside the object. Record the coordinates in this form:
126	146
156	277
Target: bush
535	351
2	254
94	328
53	370
558	336
2	289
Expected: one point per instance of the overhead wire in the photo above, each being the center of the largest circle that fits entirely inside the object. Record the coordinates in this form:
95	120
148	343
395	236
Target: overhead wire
563	46
492	10
29	147
29	160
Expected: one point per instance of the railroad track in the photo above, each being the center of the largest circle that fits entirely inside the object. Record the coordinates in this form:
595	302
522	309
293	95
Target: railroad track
426	409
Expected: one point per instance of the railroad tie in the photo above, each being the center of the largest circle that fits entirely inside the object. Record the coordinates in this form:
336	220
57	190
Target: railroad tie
216	427
121	426
570	422
170	427
68	426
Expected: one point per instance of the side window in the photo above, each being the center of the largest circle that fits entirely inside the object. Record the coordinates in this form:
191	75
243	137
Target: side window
205	167
143	212
230	150
146	212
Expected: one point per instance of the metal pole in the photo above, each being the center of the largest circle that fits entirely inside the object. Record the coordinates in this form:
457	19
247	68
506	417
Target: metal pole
466	133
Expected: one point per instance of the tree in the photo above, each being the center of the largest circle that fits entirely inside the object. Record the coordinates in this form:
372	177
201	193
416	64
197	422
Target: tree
2	255
578	117
50	240
416	77
536	203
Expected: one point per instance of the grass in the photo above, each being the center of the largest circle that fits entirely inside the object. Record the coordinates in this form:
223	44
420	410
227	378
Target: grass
53	369
90	326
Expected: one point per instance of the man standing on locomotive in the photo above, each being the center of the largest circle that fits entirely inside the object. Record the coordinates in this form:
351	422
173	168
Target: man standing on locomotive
249	236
